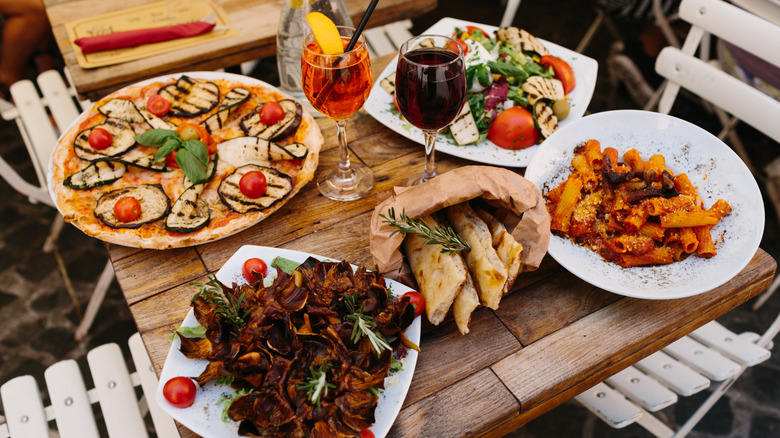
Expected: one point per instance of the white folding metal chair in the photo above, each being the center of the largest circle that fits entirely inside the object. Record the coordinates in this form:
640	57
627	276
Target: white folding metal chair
71	408
31	112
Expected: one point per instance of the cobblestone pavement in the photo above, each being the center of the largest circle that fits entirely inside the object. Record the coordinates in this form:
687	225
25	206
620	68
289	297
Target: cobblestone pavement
39	318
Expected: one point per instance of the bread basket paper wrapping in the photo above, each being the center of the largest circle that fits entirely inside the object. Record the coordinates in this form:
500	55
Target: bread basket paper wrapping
521	207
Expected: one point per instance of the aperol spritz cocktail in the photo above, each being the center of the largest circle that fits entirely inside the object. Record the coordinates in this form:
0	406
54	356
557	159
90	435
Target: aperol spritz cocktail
337	86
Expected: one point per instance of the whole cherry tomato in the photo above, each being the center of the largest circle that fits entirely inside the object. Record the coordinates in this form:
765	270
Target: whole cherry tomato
158	105
100	139
563	71
194	131
514	128
180	392
252	184
170	159
127	209
366	433
254	269
271	112
417	300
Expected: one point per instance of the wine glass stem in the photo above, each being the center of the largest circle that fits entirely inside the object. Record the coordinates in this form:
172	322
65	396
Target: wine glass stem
430	160
345	170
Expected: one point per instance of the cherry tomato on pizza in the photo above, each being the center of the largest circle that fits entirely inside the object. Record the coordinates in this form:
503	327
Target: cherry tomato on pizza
254	269
417	300
180	392
514	128
253	184
127	209
158	105
194	131
271	112
100	139
563	71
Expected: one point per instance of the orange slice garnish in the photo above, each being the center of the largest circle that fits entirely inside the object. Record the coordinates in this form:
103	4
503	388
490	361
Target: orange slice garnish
326	33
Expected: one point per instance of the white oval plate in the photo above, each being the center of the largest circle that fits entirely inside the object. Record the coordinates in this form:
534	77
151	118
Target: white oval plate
204	416
712	167
379	103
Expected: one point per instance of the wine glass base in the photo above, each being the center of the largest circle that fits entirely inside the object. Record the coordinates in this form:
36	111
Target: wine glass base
332	185
415	180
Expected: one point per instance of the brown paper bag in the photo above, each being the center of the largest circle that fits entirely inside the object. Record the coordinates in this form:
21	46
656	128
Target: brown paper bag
525	216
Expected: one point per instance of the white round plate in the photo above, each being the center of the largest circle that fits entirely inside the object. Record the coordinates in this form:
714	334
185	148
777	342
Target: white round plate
380	103
716	171
204	416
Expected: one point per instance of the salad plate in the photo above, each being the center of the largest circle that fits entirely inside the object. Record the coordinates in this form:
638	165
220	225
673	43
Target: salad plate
204	417
380	103
712	167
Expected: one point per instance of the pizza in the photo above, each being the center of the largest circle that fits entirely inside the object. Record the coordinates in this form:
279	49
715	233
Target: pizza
182	160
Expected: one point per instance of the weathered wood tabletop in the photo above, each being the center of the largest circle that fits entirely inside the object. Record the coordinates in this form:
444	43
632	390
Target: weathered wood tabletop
552	338
257	22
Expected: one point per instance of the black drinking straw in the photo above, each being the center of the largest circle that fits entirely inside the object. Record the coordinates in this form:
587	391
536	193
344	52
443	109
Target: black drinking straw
325	92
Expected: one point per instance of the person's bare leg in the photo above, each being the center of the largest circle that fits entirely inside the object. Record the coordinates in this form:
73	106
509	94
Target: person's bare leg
25	30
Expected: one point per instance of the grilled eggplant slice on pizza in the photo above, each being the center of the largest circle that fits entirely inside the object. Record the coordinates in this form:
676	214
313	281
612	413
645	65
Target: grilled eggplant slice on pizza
190	212
98	173
254	150
293	113
154	202
123	138
122	109
278	186
190	97
231	100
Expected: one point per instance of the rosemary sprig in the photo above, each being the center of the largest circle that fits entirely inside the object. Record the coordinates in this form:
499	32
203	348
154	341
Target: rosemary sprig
450	241
317	386
211	292
363	325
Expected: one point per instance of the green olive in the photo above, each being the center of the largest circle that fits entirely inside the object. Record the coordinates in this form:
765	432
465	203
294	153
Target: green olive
561	108
190	133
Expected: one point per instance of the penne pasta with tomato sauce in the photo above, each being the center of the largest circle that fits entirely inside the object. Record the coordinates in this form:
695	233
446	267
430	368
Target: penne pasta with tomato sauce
632	211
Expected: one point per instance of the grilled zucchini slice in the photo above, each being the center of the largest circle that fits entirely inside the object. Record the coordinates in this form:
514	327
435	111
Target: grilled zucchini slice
544	117
190	97
123	139
98	173
279	186
464	127
537	87
189	213
293	113
243	150
521	40
122	109
138	158
388	83
232	99
154	202
154	121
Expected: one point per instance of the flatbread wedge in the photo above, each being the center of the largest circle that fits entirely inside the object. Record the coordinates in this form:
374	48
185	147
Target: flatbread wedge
509	250
440	276
483	263
465	302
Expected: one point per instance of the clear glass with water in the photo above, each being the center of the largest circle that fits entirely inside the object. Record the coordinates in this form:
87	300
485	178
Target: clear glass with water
293	27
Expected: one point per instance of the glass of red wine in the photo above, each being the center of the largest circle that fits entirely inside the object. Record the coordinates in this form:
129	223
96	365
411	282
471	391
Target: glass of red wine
430	89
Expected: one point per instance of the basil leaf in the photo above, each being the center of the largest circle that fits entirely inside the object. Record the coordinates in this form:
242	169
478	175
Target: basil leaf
286	265
170	145
198	149
507	69
155	137
483	76
193	167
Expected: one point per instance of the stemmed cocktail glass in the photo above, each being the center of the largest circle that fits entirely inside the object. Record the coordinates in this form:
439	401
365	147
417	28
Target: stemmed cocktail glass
337	86
430	89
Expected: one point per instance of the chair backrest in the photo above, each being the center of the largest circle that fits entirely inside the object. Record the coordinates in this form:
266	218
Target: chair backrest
31	112
740	28
72	404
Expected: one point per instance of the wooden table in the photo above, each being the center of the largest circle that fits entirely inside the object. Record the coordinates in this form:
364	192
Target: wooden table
257	22
550	340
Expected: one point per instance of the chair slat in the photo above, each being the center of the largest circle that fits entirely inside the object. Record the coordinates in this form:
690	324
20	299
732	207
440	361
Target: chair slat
398	32
36	124
23	406
730	344
163	423
379	42
706	361
58	98
69	400
115	392
673	374
642	389
610	406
